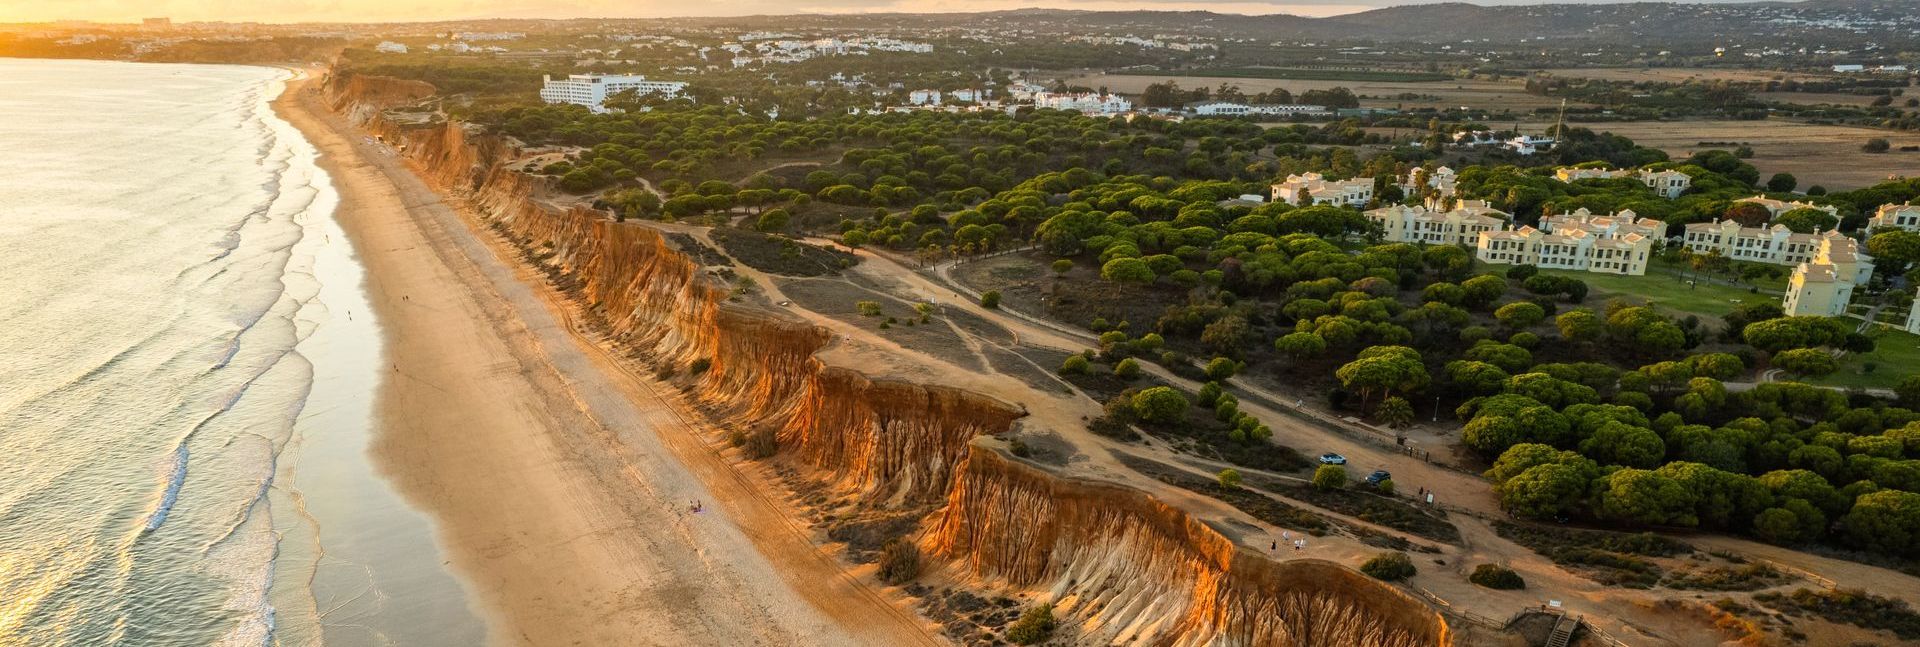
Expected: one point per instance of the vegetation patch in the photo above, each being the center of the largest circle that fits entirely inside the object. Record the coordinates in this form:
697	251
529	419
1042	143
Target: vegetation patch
1371	508
780	255
1850	606
1391	567
1495	576
1730	577
1296	74
1611	558
1260	506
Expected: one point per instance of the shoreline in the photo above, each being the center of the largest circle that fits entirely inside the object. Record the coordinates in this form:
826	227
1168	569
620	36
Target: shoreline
558	479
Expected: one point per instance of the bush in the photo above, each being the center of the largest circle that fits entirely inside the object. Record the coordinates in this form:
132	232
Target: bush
1062	266
1160	404
1075	365
1877	145
699	366
1495	576
899	561
990	299
1330	477
1229	478
1385	486
761	444
868	308
1222	368
1127	369
1033	627
1390	567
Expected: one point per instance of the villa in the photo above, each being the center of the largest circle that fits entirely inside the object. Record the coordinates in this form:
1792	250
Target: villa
1824	285
1318	189
1896	216
1578	249
1441	180
1461	225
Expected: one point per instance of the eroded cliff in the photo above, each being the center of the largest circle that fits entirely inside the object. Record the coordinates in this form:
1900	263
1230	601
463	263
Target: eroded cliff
1126	567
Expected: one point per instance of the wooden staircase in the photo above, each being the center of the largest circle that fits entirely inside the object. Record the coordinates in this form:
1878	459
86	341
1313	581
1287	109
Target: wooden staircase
1563	631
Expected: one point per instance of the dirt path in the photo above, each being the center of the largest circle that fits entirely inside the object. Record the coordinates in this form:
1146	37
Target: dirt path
560	484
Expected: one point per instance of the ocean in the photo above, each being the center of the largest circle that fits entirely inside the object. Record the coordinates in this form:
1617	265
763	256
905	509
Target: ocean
188	378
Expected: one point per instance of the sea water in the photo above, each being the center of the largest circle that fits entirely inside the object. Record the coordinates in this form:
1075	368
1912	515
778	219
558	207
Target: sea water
187	378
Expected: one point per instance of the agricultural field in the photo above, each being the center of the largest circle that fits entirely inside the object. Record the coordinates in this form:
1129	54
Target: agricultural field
1452	93
1816	154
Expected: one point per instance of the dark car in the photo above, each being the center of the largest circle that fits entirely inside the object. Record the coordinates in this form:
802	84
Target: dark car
1377	476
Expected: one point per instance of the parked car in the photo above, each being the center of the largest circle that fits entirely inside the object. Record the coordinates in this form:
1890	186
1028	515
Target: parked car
1331	458
1377	476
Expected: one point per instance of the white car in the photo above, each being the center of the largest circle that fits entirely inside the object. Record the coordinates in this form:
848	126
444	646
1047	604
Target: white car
1331	458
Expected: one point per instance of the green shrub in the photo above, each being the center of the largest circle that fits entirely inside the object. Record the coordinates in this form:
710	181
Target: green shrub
1127	369
1075	365
1229	478
1495	576
1330	477
1390	567
990	299
868	308
1033	627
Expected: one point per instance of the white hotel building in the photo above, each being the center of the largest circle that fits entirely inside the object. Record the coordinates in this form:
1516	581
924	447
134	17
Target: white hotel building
591	90
1461	225
1618	244
1777	246
1356	192
1668	184
1896	216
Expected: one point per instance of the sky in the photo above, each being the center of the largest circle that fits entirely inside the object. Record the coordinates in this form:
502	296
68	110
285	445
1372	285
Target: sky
411	10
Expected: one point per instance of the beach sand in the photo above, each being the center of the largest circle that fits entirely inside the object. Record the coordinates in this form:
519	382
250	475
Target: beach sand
559	481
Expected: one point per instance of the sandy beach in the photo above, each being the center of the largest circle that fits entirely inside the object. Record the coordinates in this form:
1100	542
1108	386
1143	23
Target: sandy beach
560	482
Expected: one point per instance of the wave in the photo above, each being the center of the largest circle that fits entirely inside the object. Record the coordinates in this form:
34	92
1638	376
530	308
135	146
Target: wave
177	477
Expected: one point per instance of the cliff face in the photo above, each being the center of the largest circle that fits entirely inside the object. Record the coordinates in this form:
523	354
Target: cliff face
1122	564
1136	571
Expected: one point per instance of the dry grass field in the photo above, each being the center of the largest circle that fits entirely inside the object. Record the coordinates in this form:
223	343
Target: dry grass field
1816	154
1675	74
1474	93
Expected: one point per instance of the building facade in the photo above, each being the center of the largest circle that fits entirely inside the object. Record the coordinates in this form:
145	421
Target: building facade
592	90
1777	207
1778	246
1317	189
1896	216
1816	290
1668	184
1429	224
1440	180
1578	249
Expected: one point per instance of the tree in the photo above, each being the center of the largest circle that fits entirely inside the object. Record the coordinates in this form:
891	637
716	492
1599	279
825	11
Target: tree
1579	325
1508	357
1330	477
1229	478
1482	290
1383	370
1062	266
1643	497
1748	214
1545	491
1300	345
1782	182
1909	392
1887	521
1807	221
1475	377
1127	369
1520	314
1127	270
990	299
1897	245
1877	145
1394	412
1075	365
1221	368
1616	443
772	220
1160	404
1390	567
1808	362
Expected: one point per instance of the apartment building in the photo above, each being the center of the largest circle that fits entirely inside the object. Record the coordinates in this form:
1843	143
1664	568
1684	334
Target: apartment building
1234	109
592	90
1776	245
1318	189
1668	184
1817	290
1577	249
1619	223
1777	207
1896	216
1430	224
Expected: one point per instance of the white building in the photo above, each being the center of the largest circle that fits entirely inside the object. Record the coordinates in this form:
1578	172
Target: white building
1913	316
1233	109
1529	144
968	95
924	97
1578	249
1318	189
1817	290
1427	224
1777	245
1441	181
1777	207
1896	216
1668	184
1618	224
591	90
1086	103
390	47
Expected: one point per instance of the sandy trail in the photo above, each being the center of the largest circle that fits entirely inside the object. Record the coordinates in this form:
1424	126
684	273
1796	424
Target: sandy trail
560	483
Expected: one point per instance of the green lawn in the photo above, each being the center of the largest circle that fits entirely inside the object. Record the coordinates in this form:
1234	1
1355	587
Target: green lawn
1896	354
1667	292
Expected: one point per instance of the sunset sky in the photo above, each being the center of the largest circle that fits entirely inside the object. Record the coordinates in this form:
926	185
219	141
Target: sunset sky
395	10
